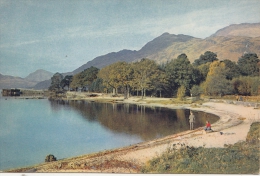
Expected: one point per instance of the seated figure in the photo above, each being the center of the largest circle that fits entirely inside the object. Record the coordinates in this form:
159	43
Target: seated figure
208	126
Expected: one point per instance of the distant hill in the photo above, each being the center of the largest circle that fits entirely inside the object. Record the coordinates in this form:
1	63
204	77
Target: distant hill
30	81
231	47
43	85
102	61
15	82
230	43
244	29
151	48
39	75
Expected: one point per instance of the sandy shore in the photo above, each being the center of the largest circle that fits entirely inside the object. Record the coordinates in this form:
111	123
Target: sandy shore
234	123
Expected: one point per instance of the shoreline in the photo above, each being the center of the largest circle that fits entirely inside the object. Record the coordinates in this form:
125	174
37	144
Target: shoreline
234	122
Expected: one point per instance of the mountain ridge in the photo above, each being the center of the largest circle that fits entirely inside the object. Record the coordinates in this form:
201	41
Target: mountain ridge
157	44
230	42
30	81
7	81
39	75
252	30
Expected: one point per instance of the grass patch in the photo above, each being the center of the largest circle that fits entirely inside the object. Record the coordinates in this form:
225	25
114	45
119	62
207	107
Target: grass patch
164	102
240	158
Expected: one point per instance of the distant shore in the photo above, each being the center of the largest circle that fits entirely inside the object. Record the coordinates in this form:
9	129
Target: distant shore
234	123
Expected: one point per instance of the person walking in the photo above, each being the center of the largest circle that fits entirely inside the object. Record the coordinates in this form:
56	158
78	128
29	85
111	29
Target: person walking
191	120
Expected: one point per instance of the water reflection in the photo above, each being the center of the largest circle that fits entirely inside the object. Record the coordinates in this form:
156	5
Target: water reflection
146	122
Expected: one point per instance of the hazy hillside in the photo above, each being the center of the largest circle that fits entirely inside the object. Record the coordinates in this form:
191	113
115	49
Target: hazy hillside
39	75
231	48
15	82
230	43
169	46
151	48
43	85
101	61
244	29
30	81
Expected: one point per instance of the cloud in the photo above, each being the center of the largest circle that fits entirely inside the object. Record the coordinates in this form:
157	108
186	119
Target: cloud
48	30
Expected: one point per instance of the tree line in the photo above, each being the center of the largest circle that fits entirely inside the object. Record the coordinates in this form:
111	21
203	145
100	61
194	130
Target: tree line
179	77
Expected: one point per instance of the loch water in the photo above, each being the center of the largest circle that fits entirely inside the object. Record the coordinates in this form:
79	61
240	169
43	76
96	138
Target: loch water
30	129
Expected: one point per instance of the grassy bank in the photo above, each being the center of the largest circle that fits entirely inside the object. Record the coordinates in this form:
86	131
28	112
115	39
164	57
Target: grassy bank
240	158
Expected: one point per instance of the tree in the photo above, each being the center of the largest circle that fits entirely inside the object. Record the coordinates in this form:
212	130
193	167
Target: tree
181	92
85	78
107	79
160	82
181	73
246	85
196	91
66	81
233	69
117	75
248	64
97	85
55	82
208	56
204	69
145	72
75	82
121	74
216	82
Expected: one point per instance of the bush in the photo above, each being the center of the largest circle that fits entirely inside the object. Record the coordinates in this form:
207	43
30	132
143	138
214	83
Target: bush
181	92
196	91
246	85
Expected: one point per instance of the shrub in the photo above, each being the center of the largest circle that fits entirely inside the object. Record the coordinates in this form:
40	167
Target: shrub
181	92
196	91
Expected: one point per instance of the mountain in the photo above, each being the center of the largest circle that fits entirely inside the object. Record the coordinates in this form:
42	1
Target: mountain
244	29
39	75
231	47
14	82
43	85
151	48
30	81
230	43
102	61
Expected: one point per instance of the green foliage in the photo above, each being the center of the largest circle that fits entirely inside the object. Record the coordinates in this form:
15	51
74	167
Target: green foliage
122	75
233	69
248	64
203	69
208	56
107	78
97	85
119	74
85	78
55	82
254	133
217	85
240	158
75	82
145	73
181	73
196	91
216	82
146	76
66	81
246	85
181	92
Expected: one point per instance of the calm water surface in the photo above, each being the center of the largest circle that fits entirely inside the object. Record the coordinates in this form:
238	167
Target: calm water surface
32	129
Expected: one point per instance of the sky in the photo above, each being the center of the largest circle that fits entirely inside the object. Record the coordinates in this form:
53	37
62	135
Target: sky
62	35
